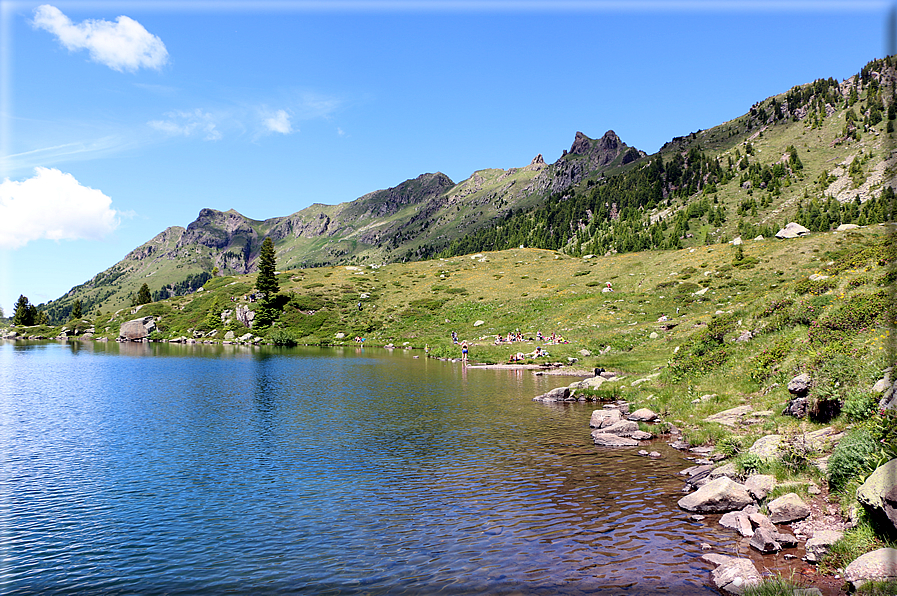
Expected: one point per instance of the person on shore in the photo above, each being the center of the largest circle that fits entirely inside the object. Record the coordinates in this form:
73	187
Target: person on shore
464	352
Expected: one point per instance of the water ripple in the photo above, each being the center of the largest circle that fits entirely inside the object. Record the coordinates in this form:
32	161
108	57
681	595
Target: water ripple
176	470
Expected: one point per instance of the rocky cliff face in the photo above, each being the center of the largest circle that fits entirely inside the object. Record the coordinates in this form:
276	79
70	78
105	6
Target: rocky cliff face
585	157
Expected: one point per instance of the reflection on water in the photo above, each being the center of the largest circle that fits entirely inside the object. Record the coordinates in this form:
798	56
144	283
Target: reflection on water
149	468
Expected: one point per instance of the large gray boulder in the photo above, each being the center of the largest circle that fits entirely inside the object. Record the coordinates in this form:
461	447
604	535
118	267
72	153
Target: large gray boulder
766	447
734	575
880	564
623	428
879	492
604	418
760	485
787	508
792	230
717	496
800	385
136	329
642	415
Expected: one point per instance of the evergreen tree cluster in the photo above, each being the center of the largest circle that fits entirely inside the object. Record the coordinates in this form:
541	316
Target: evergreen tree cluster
612	215
186	286
26	314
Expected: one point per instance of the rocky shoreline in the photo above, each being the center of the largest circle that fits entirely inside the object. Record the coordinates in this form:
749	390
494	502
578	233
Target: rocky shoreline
715	487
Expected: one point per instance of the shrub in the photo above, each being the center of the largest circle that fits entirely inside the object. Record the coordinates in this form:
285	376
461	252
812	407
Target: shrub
761	365
282	337
811	286
859	405
730	446
853	456
749	463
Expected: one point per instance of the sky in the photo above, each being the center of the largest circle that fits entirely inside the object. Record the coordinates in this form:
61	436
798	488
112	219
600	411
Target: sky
120	119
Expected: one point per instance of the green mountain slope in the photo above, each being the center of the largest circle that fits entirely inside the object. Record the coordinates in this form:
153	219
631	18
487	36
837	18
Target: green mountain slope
410	221
821	154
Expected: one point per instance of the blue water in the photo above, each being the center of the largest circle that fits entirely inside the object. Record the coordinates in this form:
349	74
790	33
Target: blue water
156	469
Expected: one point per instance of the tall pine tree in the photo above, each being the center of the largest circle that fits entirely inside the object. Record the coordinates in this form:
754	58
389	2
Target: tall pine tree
266	284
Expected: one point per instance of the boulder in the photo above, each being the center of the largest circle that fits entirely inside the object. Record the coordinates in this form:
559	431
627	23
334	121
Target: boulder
730	417
845	227
229	336
880	564
820	544
738	521
766	447
765	541
879	492
787	508
607	440
623	428
797	407
603	418
760	485
734	576
758	520
728	469
792	230
717	496
136	329
800	385
642	415
641	435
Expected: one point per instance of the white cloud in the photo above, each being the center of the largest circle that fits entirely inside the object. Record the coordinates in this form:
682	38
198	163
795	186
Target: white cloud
55	206
279	122
189	123
122	45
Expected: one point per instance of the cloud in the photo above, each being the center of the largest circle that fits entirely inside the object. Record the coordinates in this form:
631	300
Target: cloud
55	206
187	124
279	122
122	45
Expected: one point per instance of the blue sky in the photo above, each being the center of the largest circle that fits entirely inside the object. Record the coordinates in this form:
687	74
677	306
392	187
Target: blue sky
119	119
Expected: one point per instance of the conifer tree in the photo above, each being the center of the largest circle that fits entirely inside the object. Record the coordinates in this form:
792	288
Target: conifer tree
25	313
143	295
76	310
266	282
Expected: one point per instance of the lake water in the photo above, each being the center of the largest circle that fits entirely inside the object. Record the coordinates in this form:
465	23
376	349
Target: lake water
158	469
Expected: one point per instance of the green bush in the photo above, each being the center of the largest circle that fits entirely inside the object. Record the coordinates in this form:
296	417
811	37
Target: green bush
853	456
859	405
282	337
811	286
730	446
762	365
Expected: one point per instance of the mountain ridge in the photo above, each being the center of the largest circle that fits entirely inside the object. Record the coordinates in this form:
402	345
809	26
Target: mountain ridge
600	196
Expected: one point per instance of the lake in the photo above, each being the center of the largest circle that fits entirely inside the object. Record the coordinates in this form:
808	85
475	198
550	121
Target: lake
171	469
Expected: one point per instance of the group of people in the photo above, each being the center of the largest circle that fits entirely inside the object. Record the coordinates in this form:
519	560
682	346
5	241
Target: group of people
515	336
520	356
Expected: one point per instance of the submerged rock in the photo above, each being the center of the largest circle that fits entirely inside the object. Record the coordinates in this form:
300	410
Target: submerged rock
608	440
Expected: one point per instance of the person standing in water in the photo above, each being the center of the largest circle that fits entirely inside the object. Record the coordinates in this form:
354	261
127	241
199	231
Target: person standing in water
464	352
